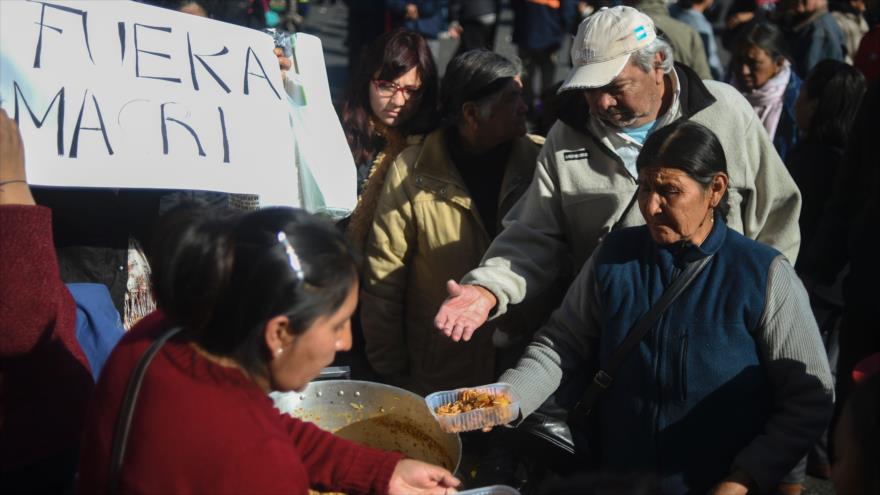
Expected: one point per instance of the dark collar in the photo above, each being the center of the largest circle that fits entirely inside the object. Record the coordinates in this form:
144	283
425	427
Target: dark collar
693	97
685	252
495	156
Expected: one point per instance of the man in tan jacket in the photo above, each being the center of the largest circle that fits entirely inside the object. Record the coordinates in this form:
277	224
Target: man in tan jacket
440	208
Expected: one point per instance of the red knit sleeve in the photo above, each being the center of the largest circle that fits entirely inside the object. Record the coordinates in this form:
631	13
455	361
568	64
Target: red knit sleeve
46	381
33	299
337	464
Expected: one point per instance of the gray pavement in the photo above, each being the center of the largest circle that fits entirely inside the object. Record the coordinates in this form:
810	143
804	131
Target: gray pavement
330	25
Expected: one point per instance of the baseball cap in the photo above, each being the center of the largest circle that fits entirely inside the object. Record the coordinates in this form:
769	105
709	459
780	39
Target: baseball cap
603	44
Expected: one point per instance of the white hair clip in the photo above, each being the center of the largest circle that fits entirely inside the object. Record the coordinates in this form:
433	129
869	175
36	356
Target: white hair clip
291	256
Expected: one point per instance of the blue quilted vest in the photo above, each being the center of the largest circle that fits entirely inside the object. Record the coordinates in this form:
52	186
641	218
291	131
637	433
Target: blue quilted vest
694	393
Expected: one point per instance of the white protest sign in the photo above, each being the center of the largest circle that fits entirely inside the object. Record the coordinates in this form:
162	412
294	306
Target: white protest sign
327	173
121	94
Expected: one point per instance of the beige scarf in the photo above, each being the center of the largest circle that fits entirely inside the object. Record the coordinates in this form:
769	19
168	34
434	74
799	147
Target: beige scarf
768	100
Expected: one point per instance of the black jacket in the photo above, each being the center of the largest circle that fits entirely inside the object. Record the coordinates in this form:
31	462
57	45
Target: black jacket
464	10
91	228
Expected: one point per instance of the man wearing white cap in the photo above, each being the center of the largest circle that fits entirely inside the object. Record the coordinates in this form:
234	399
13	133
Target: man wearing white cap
623	85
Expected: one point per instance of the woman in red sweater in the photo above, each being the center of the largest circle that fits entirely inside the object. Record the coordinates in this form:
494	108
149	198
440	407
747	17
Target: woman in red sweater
45	378
264	301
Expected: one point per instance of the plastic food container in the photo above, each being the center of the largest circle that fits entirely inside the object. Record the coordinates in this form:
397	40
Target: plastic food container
491	490
478	418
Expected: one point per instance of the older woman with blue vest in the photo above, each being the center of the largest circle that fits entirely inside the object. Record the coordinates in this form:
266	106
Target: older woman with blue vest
729	386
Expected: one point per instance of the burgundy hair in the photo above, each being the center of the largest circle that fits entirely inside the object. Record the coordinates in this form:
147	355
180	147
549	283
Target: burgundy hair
392	55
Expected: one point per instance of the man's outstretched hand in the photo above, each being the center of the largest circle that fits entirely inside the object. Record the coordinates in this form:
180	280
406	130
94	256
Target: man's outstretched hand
464	311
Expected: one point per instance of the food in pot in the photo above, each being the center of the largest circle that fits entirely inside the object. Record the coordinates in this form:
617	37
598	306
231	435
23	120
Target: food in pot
469	400
398	433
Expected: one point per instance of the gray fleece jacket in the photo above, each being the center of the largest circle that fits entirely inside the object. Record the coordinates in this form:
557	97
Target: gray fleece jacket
581	188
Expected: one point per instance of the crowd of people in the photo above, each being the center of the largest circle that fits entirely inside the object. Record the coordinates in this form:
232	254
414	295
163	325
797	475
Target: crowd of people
670	246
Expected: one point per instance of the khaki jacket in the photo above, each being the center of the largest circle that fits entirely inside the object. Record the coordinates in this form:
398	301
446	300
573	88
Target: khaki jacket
426	230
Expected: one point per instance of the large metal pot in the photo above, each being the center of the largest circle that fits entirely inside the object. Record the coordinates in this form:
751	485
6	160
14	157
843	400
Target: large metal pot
376	415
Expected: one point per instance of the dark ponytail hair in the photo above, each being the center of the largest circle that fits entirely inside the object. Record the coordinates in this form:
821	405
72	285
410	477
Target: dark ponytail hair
222	275
475	75
689	147
390	56
837	88
766	36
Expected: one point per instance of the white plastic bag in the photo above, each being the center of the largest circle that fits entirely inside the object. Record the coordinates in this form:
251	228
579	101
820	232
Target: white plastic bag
326	174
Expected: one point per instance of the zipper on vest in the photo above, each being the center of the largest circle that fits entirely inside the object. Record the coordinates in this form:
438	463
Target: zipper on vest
682	367
658	359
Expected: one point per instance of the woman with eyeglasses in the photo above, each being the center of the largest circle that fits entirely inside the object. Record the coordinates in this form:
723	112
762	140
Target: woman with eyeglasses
260	301
390	103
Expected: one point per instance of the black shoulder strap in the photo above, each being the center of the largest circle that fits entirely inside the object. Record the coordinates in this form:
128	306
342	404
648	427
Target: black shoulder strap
623	215
126	410
603	378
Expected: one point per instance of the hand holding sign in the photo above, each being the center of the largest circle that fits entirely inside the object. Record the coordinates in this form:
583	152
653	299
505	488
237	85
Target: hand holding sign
284	63
13	184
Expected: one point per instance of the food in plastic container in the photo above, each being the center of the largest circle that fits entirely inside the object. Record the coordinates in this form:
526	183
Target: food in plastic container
473	399
473	408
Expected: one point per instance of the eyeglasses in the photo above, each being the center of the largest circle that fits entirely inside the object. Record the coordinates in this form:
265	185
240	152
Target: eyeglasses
387	89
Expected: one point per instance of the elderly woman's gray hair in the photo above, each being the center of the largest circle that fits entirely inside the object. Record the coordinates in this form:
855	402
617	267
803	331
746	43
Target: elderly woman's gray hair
478	76
644	58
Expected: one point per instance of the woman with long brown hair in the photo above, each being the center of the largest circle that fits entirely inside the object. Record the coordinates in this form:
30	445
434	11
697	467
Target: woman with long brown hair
390	103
